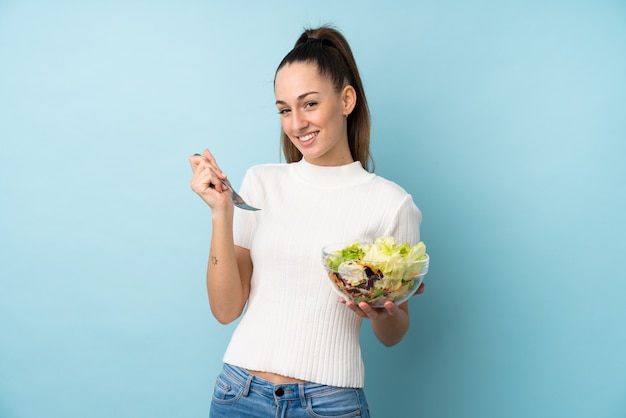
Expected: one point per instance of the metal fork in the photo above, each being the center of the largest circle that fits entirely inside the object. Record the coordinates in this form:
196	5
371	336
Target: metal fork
238	200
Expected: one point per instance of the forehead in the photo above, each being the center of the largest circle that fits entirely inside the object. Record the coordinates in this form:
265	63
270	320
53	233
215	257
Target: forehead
297	78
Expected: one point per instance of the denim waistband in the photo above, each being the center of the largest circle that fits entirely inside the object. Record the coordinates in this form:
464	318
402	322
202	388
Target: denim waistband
278	391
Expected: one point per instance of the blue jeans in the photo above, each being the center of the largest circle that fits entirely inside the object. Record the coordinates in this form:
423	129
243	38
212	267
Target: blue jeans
239	394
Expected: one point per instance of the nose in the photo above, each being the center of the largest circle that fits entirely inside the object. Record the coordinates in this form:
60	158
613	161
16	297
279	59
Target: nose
298	121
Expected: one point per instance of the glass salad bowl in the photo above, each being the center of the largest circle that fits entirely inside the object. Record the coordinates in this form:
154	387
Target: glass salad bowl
376	272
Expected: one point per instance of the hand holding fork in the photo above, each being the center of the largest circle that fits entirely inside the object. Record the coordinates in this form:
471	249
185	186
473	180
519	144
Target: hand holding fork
207	175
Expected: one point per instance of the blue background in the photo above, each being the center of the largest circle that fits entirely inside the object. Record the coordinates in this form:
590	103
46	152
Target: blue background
505	120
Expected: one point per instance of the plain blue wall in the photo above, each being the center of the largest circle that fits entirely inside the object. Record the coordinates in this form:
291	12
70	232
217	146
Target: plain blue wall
505	120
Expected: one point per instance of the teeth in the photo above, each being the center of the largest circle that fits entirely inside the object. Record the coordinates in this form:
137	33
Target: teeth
307	137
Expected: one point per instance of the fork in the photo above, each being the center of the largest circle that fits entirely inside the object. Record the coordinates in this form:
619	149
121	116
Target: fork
238	200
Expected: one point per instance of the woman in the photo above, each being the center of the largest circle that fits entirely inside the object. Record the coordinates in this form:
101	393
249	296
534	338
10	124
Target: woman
296	349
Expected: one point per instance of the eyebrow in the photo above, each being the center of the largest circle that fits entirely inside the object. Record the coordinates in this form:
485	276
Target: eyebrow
300	97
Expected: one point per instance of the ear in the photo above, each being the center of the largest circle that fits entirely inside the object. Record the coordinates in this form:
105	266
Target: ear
348	99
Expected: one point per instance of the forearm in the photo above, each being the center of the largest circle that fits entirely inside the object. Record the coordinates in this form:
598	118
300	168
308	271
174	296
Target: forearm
392	329
225	285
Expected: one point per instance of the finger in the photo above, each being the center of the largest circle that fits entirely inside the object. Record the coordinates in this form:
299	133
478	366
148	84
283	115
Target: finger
203	173
206	178
194	161
210	172
212	163
209	157
200	182
353	307
391	308
369	311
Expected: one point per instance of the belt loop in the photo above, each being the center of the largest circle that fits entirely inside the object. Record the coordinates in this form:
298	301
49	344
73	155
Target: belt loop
246	386
302	395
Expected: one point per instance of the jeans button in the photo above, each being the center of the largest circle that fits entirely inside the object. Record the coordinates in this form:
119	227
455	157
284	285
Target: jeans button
279	391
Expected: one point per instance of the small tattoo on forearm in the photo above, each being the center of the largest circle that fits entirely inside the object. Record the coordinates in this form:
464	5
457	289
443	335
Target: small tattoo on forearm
214	260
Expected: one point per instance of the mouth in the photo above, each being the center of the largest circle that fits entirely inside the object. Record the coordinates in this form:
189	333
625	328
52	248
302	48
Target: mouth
305	139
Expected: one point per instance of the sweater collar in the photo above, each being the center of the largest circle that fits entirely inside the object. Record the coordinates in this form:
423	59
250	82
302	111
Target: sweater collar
333	176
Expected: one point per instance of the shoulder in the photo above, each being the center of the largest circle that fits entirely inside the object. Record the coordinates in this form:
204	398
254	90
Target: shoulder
389	187
397	197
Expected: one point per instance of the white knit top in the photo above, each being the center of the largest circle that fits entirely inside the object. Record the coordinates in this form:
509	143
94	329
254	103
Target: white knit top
293	324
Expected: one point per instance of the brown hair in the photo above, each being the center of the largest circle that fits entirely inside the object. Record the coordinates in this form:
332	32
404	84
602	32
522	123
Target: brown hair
328	49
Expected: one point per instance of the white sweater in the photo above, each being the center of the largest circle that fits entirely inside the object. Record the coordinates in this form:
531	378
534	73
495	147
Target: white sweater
293	324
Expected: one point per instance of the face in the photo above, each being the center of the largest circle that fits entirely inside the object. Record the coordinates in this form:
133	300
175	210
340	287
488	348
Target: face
313	114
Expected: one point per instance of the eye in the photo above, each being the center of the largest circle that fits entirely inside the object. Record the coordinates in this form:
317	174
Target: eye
283	111
309	105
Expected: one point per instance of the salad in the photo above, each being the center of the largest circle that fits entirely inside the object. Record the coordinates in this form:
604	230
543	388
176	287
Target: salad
377	272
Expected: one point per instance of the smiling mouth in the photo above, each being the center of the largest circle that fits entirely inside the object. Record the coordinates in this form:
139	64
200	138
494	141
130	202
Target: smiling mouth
308	137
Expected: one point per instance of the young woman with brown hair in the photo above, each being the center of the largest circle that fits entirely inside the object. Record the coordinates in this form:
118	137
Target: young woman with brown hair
295	352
